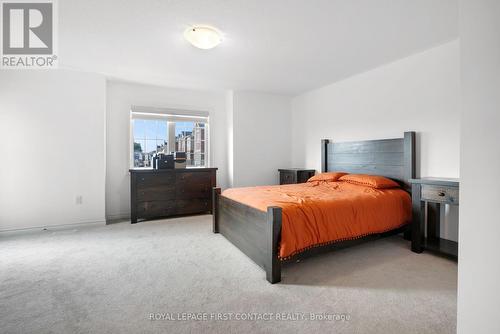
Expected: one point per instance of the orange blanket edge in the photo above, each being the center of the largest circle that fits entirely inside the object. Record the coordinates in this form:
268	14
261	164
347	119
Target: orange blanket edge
288	257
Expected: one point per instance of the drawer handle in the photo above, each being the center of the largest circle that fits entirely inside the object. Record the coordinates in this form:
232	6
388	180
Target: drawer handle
441	194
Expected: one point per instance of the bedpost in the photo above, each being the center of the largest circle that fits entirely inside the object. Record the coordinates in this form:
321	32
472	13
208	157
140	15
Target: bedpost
215	209
273	267
324	155
409	157
409	171
417	225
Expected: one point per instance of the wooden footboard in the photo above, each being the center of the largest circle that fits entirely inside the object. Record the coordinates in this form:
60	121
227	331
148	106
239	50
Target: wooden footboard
254	232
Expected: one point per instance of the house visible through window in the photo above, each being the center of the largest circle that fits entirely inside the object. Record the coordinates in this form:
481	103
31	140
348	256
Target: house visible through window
190	138
157	133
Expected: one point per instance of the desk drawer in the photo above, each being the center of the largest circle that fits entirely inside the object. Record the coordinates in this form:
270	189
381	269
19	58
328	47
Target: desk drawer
448	195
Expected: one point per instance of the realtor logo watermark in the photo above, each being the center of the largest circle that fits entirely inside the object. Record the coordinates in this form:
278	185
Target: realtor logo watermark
29	34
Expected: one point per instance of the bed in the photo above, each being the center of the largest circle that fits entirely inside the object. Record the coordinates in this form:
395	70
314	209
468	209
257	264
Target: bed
273	225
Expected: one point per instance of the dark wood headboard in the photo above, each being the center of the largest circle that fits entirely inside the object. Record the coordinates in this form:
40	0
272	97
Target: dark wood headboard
392	158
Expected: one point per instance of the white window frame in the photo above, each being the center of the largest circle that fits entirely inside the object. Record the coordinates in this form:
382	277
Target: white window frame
171	116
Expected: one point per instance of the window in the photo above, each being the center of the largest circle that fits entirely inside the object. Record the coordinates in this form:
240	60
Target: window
190	138
150	137
161	132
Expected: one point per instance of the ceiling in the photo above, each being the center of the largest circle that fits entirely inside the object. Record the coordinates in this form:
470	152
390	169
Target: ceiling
279	46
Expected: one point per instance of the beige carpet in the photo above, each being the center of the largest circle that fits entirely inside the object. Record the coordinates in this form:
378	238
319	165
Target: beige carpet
109	279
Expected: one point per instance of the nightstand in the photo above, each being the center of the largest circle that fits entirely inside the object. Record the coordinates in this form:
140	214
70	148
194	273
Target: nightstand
295	175
431	193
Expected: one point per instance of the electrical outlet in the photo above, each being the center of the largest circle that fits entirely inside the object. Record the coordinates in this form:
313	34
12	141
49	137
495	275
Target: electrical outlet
79	200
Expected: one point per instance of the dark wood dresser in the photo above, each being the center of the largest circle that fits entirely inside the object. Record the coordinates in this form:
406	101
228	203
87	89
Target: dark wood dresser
170	192
295	175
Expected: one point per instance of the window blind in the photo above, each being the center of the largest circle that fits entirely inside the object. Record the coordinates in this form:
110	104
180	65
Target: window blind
174	115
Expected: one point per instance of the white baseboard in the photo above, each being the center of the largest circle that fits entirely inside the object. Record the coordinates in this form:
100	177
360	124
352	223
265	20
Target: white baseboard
117	218
53	227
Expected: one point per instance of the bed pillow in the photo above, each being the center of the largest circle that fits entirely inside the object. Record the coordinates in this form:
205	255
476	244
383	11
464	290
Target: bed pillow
374	181
328	177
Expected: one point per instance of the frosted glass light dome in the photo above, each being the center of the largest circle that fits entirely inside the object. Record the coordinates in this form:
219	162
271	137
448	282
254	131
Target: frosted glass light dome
203	37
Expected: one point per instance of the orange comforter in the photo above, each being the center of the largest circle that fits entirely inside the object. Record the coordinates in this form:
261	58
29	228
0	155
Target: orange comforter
318	213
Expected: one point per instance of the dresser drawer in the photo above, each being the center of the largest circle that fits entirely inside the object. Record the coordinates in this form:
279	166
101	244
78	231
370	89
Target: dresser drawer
193	178
440	194
155	209
157	192
287	177
146	181
303	176
195	205
192	190
193	185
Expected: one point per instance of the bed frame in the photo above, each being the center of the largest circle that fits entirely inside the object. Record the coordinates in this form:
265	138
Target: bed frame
257	233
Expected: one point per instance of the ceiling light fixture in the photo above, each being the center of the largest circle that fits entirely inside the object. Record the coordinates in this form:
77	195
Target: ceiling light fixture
203	37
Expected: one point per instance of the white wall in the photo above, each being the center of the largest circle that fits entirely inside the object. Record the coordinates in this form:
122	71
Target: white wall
52	148
261	137
417	93
479	246
121	96
230	137
67	134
